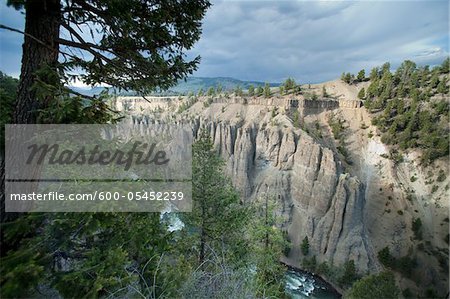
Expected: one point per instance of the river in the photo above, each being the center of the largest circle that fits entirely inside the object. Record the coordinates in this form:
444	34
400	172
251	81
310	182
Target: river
303	285
299	284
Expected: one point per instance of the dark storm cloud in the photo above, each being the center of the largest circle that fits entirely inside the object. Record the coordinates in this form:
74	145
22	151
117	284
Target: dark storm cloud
309	40
317	40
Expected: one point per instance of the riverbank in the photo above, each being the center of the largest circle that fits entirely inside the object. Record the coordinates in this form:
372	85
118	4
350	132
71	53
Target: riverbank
334	289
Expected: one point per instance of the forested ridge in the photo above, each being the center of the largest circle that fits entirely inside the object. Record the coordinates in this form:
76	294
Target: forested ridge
410	106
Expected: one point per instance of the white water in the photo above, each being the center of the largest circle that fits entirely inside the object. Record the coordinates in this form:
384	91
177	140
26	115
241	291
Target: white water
305	286
298	285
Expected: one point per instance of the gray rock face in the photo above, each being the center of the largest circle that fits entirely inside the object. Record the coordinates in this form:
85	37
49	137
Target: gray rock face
315	197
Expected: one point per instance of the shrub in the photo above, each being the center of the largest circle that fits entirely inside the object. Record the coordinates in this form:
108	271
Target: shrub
417	228
349	275
441	177
305	246
310	264
385	257
380	285
434	188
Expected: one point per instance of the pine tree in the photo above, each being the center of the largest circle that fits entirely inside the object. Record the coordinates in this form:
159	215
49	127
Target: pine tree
385	257
219	89
268	244
324	92
305	246
217	216
267	92
349	275
361	75
348	78
139	50
251	90
238	91
289	84
442	87
434	82
380	285
259	91
445	67
374	74
362	94
211	91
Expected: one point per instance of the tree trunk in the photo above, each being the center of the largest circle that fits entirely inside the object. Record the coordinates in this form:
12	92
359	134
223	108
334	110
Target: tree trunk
42	23
39	49
202	239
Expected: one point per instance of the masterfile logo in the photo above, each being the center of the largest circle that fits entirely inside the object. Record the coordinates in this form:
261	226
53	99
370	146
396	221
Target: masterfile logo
123	167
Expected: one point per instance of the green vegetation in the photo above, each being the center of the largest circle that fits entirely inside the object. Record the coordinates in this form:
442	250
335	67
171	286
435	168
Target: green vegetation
211	91
305	246
441	176
409	109
133	254
417	228
349	275
361	75
208	102
374	286
238	91
362	94
8	90
404	265
289	84
267	246
347	78
267	92
251	90
385	257
187	104
324	92
310	264
259	91
296	118
337	126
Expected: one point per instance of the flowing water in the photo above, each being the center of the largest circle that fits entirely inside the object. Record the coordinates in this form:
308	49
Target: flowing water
302	285
299	284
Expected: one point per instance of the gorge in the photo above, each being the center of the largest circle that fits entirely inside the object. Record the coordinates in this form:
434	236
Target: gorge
349	200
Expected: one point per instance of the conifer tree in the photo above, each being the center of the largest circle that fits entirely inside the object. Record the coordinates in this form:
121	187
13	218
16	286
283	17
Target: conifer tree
217	215
362	94
267	92
361	75
305	246
251	90
259	91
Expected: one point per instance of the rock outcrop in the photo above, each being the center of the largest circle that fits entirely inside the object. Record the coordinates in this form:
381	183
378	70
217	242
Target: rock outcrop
346	195
315	197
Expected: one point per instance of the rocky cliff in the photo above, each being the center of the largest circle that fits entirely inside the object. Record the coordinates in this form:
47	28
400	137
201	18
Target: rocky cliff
348	209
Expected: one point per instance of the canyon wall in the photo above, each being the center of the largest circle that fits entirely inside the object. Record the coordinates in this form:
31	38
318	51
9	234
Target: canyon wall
350	207
315	197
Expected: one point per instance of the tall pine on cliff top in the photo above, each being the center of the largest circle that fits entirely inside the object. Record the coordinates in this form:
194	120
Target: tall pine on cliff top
218	218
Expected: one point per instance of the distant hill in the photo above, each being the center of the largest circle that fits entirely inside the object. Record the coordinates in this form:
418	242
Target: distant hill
196	83
193	84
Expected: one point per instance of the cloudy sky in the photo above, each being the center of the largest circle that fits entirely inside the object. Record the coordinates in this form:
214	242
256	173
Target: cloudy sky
311	41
